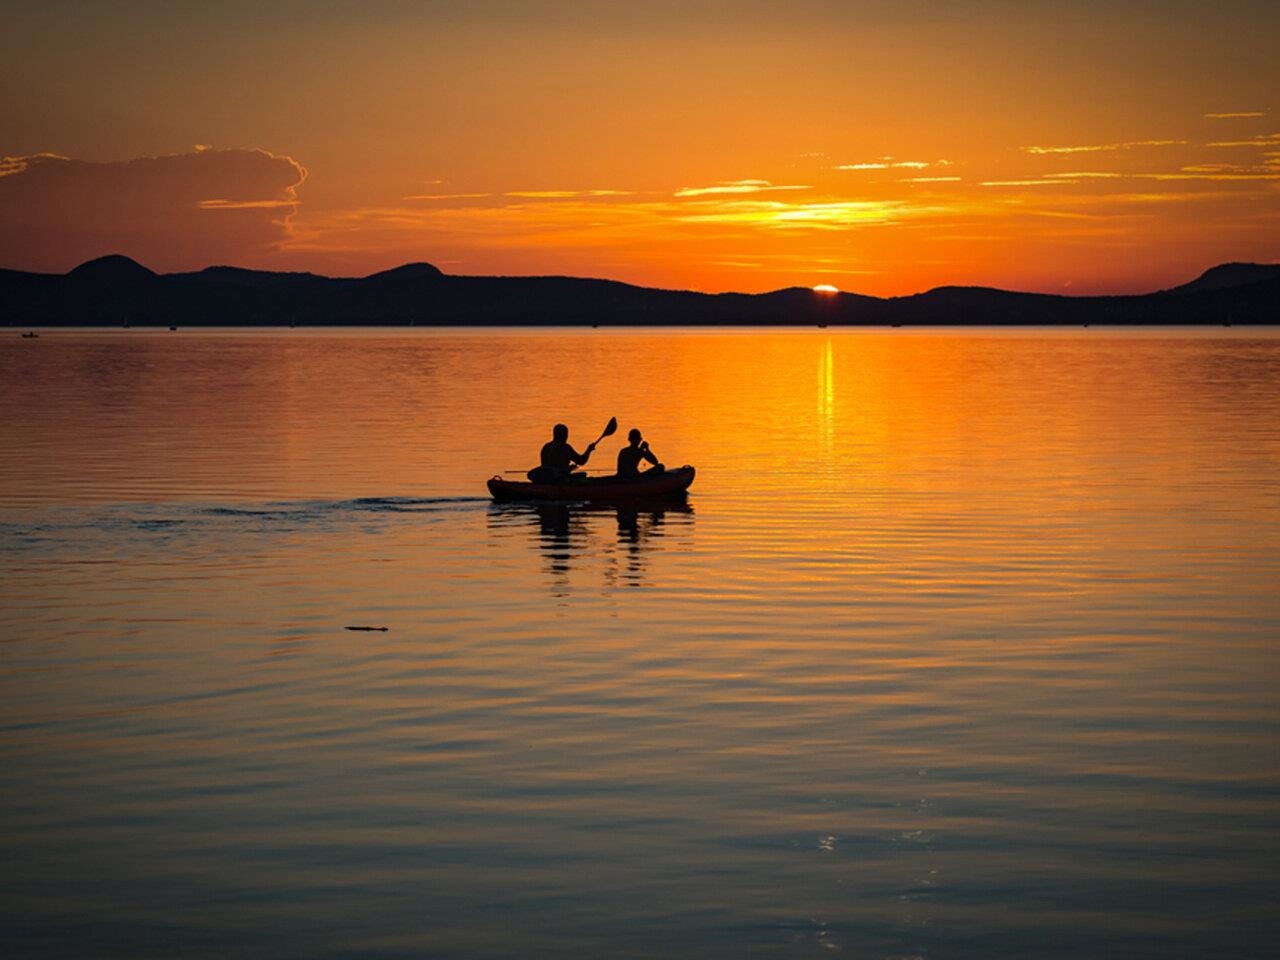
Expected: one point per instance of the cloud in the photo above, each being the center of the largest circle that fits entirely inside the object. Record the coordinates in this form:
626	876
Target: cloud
247	204
1220	168
564	194
1205	171
736	187
12	165
820	215
1190	173
930	180
1044	182
1241	115
888	163
170	212
447	196
1100	147
1261	140
1113	200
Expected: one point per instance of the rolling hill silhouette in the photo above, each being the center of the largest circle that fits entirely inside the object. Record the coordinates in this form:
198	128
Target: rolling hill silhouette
114	290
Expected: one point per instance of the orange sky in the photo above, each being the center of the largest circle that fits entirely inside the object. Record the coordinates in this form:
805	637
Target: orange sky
883	147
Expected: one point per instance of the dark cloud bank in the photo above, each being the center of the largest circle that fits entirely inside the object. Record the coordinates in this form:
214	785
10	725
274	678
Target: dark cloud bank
210	206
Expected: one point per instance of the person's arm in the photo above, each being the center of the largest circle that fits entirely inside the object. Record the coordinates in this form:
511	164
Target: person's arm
647	454
583	457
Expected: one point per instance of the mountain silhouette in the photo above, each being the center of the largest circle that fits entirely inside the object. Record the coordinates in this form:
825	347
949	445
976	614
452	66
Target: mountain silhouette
244	277
112	290
1230	275
114	266
408	271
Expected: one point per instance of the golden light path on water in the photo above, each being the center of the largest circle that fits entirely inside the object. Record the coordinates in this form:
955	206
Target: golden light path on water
963	645
826	401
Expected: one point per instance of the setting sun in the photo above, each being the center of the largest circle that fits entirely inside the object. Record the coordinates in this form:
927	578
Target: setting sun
826	288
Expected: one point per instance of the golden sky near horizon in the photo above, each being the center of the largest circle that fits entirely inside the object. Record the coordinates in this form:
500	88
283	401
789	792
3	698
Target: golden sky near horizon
883	147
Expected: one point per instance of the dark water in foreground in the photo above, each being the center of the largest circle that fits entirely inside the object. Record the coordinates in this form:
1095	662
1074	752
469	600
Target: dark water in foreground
965	645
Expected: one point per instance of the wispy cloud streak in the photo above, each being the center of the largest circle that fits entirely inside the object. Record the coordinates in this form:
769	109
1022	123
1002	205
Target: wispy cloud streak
1102	147
888	163
564	194
732	187
1261	140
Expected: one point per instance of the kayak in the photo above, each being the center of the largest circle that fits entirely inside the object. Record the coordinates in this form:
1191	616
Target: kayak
647	486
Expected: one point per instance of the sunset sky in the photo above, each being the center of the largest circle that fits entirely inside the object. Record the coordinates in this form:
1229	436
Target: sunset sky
883	147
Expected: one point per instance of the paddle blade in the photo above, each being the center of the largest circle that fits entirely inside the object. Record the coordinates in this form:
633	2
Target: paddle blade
611	428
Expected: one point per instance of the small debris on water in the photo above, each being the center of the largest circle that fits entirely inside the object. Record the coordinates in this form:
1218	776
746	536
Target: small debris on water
379	629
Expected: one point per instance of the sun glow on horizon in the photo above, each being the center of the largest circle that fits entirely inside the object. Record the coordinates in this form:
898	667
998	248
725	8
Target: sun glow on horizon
826	289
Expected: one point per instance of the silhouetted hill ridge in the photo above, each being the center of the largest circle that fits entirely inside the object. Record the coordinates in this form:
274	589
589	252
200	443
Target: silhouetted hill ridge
116	289
114	266
409	271
244	276
1229	275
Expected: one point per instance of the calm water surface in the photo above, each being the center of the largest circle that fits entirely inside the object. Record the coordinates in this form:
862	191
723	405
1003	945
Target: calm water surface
965	645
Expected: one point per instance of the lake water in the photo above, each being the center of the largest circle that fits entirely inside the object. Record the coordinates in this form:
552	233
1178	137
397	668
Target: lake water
965	645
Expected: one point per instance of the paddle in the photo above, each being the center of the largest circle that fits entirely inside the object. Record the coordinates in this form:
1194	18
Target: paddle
610	429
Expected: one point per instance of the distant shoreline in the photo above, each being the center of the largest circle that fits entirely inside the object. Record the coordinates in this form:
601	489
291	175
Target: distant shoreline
551	328
115	291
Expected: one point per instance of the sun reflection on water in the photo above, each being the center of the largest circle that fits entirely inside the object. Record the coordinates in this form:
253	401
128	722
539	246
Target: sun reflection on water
826	399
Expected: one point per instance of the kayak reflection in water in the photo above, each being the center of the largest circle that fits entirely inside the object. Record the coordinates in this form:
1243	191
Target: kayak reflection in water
559	458
631	456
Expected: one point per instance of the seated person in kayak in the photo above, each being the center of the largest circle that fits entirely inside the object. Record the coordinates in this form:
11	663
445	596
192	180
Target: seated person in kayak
559	458
630	457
